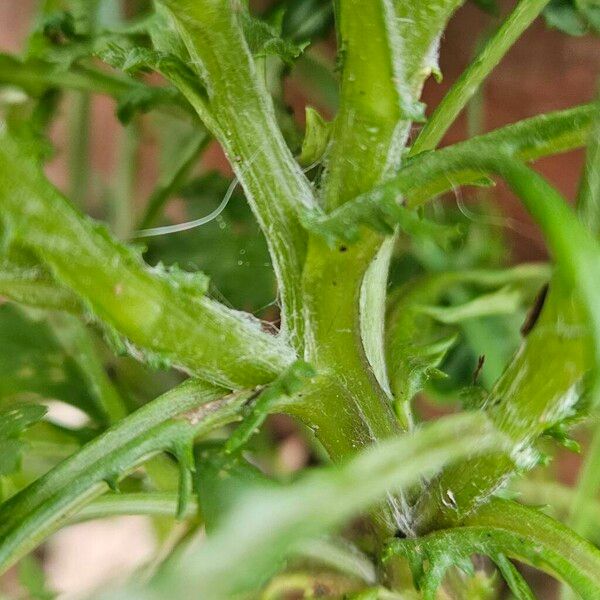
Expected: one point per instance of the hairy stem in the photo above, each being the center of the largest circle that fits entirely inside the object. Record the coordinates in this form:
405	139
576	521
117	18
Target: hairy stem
243	121
154	312
170	423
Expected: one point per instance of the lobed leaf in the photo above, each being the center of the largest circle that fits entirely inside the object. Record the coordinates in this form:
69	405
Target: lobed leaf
498	529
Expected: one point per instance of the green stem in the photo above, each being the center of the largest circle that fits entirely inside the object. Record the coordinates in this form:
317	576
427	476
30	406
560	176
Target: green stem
344	287
587	489
548	399
588	206
470	80
156	504
170	423
241	117
588	196
553	546
437	172
380	85
156	313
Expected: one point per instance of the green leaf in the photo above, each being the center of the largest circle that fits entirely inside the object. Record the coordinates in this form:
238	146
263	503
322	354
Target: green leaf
263	40
221	480
33	579
506	300
504	528
138	59
15	418
343	224
38	77
57	39
285	386
306	19
490	6
416	345
575	17
515	581
30	284
316	138
34	362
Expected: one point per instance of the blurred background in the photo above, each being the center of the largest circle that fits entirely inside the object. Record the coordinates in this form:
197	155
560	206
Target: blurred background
546	70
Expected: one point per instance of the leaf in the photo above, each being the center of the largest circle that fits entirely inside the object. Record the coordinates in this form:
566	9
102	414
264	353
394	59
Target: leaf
56	39
506	300
504	528
574	17
15	418
416	345
143	99
27	283
306	19
286	385
33	362
343	224
135	59
220	480
316	138
265	526
263	39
